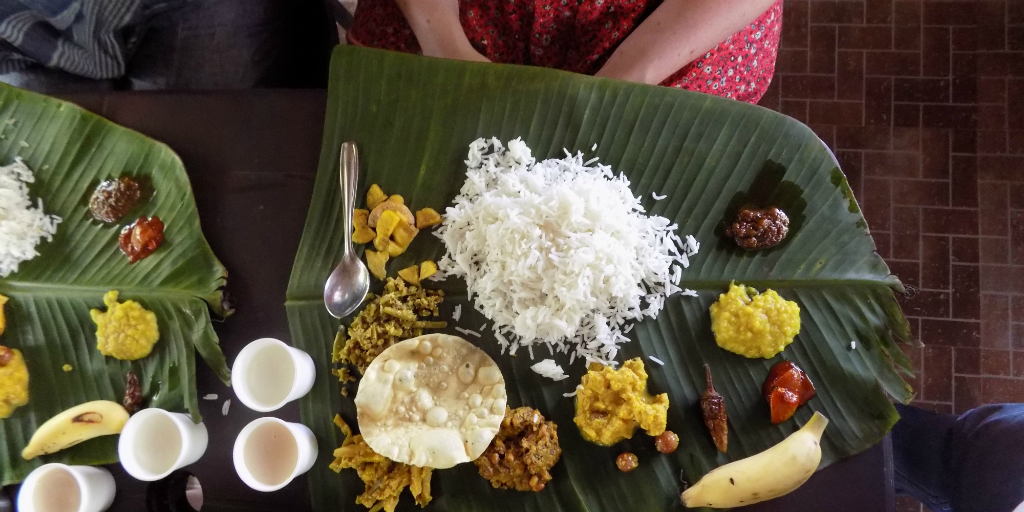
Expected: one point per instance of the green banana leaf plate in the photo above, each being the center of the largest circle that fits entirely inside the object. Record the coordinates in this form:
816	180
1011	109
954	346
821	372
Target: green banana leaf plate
71	151
413	119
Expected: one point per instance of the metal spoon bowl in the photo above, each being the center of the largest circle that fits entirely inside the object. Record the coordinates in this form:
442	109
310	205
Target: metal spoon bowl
348	285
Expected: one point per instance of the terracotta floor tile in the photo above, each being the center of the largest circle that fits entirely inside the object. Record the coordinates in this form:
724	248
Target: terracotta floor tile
992	142
794	30
1002	390
961	221
995	210
996	363
923	103
864	37
935	153
940	407
991	90
967	361
964	141
968	393
822	45
926	303
833	12
878	101
949	116
876	202
1001	278
878	11
953	333
1016	195
995	321
808	86
966	291
938	374
964	181
965	250
1017	308
791	60
1017	237
995	250
921	192
909	273
1018	364
893	164
883	243
864	137
797	109
906	243
836	112
935	57
935	260
892	63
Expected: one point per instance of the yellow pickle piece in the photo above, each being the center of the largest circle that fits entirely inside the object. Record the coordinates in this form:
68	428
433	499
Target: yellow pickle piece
126	331
754	324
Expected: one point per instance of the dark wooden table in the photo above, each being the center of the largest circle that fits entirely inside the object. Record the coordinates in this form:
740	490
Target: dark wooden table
252	158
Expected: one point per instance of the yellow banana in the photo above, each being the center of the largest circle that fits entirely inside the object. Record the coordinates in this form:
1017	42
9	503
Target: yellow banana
772	473
77	424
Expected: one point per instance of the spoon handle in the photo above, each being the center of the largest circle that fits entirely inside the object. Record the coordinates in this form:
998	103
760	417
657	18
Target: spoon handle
349	174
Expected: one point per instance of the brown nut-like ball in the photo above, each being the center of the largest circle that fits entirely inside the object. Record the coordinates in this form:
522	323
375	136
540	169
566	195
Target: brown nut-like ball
627	462
666	442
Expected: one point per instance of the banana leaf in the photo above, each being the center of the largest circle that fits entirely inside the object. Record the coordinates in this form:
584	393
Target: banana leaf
71	151
413	118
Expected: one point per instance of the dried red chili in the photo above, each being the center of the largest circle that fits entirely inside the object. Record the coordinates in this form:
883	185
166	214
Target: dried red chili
712	405
786	388
140	239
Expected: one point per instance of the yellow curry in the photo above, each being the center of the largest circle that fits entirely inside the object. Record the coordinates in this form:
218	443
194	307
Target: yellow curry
611	404
752	324
13	381
126	330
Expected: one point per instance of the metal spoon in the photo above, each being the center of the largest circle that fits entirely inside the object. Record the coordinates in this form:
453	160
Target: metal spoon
348	284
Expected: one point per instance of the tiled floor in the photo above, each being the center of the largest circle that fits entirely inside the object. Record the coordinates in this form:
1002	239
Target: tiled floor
923	104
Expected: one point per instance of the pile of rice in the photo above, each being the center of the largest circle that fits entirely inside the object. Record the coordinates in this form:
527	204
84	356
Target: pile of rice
558	252
22	225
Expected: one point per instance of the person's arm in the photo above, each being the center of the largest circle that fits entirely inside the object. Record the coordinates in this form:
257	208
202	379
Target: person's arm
675	34
438	30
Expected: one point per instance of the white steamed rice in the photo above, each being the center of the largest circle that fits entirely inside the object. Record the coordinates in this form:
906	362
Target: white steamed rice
558	252
22	224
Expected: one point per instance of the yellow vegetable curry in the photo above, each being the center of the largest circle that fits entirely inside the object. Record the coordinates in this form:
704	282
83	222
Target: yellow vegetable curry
126	330
613	403
13	381
752	324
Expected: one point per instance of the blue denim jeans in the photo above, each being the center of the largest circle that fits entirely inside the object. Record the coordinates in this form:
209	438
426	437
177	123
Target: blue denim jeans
212	44
973	462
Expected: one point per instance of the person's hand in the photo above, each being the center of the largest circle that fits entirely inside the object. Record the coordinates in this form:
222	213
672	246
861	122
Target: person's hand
438	30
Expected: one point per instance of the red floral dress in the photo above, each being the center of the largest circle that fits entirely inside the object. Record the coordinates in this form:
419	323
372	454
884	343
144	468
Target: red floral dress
580	35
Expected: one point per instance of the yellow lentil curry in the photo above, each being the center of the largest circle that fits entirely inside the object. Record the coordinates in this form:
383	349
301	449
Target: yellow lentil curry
613	403
13	381
127	331
752	324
